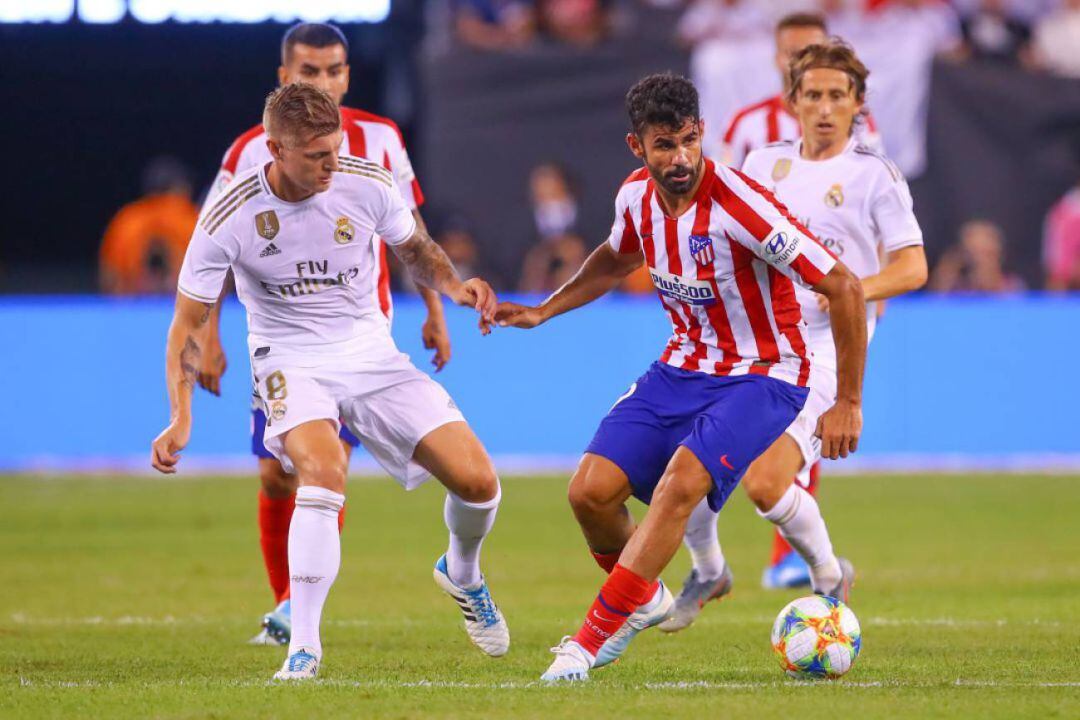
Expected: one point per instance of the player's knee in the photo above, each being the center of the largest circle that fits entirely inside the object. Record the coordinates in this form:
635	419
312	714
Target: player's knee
276	483
765	484
589	497
478	486
325	472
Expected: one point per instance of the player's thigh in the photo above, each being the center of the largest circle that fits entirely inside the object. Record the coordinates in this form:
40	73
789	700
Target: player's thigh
317	455
454	455
802	431
772	472
598	485
685	482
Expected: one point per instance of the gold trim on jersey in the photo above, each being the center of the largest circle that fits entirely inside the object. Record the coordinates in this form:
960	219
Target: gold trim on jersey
373	176
366	165
230	194
240	201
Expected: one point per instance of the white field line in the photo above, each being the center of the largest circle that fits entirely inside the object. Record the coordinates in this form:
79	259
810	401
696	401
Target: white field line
169	620
453	685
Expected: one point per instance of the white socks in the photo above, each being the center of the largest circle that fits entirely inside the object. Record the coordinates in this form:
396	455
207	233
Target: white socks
701	540
314	559
469	523
798	518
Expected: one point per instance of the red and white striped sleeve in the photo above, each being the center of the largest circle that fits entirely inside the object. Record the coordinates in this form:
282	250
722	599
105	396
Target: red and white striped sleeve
624	236
402	168
764	226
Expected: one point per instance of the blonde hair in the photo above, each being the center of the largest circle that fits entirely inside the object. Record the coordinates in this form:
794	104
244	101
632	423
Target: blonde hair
834	55
297	112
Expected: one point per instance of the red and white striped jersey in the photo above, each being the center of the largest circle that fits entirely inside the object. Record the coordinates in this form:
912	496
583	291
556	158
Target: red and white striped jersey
769	121
367	136
723	271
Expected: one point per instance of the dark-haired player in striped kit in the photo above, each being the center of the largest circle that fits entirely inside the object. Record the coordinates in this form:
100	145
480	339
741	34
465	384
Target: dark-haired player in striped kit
724	257
317	54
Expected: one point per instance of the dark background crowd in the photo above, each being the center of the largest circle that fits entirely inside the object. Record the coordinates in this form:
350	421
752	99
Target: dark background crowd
512	112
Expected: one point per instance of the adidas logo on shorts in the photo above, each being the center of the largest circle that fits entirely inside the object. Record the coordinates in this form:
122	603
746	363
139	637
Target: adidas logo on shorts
269	250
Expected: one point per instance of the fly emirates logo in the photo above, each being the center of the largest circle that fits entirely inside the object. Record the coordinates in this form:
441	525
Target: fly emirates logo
312	279
687	290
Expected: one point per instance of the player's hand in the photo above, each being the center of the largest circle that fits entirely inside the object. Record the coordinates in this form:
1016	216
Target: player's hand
822	302
436	337
165	450
839	429
476	293
520	316
213	364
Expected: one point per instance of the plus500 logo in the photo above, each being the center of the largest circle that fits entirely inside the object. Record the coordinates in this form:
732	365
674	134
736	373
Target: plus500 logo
693	292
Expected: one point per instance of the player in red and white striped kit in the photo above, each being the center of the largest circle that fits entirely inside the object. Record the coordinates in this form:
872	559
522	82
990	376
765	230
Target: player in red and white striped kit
316	54
724	257
771	120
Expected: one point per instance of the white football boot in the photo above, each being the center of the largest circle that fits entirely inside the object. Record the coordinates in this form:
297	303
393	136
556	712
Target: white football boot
571	663
483	622
646	616
300	665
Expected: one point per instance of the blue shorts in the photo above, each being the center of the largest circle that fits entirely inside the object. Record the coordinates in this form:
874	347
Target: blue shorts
725	421
258	427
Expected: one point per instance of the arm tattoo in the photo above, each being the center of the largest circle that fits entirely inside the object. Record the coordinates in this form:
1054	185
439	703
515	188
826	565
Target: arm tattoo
426	261
189	361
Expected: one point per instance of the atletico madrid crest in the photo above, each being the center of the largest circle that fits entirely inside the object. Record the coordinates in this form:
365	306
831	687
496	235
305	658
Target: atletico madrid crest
701	248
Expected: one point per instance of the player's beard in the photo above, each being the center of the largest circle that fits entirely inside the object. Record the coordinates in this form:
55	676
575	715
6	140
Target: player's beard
683	185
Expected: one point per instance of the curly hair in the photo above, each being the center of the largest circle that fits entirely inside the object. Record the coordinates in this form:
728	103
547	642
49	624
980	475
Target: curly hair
834	55
298	111
664	99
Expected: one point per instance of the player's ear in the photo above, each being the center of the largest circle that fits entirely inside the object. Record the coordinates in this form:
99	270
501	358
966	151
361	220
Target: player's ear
634	143
282	75
275	148
347	71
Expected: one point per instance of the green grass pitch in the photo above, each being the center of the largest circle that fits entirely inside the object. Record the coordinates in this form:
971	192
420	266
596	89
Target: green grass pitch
134	598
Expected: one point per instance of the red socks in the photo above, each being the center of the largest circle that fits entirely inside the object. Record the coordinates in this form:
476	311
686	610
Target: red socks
621	594
780	548
606	561
275	515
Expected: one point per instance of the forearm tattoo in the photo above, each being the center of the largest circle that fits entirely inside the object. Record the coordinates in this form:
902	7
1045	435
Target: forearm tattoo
426	261
189	361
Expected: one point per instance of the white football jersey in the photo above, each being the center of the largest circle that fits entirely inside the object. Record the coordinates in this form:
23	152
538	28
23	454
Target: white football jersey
304	270
856	203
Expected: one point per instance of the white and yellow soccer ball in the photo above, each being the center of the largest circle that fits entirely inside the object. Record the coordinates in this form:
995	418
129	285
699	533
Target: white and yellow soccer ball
816	637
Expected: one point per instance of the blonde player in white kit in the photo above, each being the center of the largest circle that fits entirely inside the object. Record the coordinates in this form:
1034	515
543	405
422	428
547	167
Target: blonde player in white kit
857	204
298	234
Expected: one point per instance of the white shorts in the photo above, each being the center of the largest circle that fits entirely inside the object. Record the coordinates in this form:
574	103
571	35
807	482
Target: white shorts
388	404
822	397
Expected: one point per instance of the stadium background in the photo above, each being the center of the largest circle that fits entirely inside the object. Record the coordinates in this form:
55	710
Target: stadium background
955	380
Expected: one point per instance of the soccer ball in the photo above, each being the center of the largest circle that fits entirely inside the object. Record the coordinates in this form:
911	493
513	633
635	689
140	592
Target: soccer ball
816	637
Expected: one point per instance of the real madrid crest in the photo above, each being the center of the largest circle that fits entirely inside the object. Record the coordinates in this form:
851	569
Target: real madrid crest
781	169
835	197
344	232
266	224
278	410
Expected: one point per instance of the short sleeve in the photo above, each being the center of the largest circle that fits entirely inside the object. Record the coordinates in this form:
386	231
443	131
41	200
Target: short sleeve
893	214
206	264
766	228
624	237
402	169
395	223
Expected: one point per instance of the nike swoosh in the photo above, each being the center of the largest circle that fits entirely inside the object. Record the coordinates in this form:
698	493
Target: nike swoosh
725	463
602	618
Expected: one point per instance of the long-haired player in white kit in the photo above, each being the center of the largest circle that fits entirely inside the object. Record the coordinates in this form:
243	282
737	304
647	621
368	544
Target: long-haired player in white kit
318	54
297	234
857	204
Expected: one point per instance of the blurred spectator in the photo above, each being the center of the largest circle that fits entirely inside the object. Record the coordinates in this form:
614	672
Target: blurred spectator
576	22
145	241
549	264
1061	243
976	263
1056	43
554	200
992	33
494	24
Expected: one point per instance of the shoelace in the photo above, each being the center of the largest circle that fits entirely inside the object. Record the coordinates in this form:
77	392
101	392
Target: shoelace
561	648
299	660
483	606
